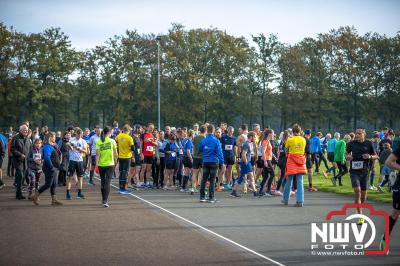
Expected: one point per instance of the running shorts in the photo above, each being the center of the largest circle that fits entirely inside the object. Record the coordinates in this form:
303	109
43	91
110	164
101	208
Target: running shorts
229	160
197	163
75	166
359	180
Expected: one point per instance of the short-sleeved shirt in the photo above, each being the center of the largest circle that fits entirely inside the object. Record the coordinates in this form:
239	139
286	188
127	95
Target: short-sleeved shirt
75	155
247	147
188	147
296	145
357	149
196	142
124	143
228	145
148	146
106	151
92	143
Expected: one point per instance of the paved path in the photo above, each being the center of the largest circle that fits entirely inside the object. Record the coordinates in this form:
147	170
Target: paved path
133	232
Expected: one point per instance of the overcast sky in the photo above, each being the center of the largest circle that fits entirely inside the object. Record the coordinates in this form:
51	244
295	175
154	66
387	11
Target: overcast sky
91	22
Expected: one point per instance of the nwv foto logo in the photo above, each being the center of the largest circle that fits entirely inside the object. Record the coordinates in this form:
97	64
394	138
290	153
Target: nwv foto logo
346	234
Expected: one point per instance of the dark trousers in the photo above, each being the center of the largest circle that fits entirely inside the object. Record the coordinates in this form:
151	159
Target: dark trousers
19	175
10	167
209	174
323	159
62	178
282	166
106	174
50	181
160	172
315	160
154	170
124	165
268	176
342	171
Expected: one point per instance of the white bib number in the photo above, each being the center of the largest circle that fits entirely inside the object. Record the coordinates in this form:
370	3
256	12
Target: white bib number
356	165
173	154
228	147
150	148
180	152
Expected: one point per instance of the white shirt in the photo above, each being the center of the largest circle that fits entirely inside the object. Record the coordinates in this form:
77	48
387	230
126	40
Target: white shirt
74	155
92	143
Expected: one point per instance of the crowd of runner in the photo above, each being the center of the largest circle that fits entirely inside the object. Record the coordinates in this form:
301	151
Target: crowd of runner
202	159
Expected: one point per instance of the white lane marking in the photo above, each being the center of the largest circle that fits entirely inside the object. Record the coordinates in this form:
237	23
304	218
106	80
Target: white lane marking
203	228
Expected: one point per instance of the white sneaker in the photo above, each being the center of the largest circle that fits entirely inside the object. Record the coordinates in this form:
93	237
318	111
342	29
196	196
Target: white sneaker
292	193
278	193
372	188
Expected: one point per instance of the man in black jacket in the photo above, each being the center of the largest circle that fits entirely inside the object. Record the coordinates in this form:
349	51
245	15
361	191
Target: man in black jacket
20	147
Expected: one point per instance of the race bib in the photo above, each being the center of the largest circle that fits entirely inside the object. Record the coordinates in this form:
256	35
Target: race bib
356	165
173	154
138	151
228	147
180	152
37	156
150	148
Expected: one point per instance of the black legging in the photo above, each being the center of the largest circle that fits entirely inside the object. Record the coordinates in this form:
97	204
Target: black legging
322	158
268	176
124	165
342	171
106	173
209	173
50	181
282	166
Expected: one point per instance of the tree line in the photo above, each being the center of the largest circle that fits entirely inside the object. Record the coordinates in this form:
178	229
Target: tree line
335	81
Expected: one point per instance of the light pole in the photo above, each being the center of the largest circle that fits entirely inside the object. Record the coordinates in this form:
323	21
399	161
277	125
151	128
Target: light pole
158	39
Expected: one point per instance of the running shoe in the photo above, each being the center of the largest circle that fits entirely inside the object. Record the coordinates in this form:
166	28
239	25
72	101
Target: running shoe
278	193
312	189
68	197
382	244
255	193
360	221
245	189
380	190
284	202
80	196
219	189
203	200
91	182
228	187
105	205
299	204
234	194
182	190
372	187
212	201
268	194
292	193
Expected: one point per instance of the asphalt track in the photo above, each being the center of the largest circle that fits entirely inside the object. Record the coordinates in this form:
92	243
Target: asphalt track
135	232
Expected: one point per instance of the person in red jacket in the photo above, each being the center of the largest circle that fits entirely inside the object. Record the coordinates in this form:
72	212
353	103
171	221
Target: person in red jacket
149	149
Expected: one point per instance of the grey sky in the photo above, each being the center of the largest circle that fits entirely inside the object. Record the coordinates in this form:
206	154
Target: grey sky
90	23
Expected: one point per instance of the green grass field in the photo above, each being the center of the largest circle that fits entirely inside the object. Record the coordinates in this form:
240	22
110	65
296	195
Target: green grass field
325	184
